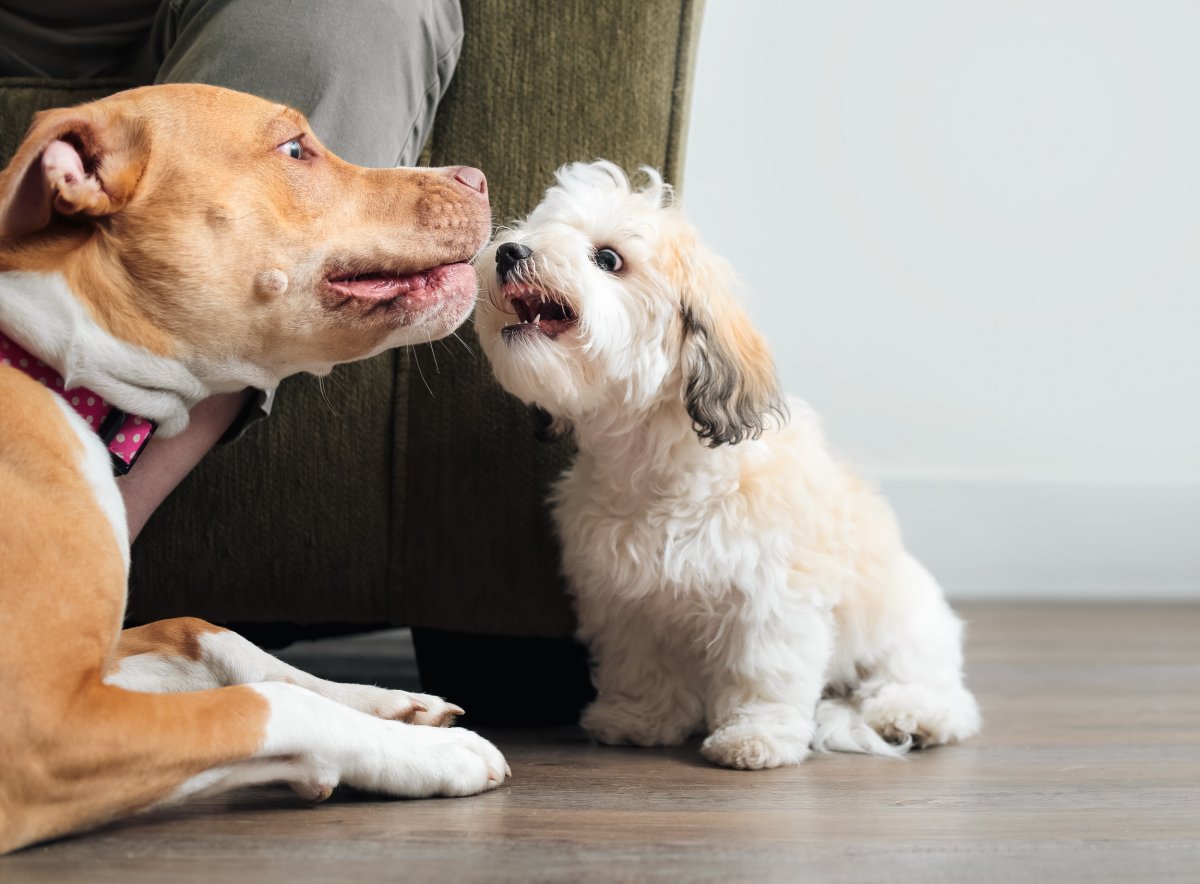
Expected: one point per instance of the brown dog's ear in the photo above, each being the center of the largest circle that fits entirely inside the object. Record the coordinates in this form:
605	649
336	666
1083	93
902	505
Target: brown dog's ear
732	391
74	161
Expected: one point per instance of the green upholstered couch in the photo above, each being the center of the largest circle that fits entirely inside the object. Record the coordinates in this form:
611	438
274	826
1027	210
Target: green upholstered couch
408	489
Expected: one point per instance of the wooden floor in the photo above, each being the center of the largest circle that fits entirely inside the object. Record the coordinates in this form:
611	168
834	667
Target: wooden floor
1088	769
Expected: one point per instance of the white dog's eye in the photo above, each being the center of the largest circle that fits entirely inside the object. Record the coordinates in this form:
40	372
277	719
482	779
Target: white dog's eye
608	260
293	149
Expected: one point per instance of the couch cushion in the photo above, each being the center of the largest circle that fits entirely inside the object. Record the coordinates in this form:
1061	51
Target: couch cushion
539	84
21	98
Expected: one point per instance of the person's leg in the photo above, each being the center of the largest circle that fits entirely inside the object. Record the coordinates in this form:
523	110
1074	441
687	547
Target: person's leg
367	73
70	39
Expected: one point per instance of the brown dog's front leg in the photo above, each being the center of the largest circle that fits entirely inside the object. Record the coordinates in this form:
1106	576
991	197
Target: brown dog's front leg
109	752
105	753
187	654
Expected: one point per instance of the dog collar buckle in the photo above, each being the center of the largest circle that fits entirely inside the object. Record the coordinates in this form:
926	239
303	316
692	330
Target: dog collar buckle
125	435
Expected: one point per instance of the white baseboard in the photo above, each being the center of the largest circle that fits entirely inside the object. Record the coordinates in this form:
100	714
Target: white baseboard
995	538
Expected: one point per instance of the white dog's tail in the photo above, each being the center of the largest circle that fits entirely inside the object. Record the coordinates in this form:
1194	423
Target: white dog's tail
840	728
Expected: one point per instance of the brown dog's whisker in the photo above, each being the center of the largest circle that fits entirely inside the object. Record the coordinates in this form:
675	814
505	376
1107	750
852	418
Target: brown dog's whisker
466	346
325	396
421	373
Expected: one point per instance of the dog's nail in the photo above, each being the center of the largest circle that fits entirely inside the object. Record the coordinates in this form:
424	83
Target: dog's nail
455	710
419	707
507	770
271	282
313	793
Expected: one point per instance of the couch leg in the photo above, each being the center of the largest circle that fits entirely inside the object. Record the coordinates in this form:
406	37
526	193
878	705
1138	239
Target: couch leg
488	674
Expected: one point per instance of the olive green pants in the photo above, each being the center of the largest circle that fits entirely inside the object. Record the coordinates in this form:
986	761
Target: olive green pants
368	73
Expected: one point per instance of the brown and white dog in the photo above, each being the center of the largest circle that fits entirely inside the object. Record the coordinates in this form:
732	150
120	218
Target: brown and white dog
158	247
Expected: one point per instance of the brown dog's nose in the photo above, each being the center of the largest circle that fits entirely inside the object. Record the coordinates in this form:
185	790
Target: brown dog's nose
472	178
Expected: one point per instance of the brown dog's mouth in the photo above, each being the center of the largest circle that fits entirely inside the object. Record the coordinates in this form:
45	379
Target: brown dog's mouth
383	285
538	313
386	291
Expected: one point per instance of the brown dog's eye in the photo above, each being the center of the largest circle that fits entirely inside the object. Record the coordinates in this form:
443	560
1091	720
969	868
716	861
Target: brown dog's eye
608	260
293	149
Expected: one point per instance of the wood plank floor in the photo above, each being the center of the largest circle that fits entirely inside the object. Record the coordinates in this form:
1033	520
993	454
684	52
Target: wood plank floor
1088	769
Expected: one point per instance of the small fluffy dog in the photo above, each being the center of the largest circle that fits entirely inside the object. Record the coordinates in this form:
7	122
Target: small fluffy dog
731	576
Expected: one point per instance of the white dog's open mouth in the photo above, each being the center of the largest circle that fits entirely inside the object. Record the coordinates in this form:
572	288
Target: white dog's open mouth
538	313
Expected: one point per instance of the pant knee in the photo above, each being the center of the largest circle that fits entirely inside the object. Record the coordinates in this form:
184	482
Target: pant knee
368	73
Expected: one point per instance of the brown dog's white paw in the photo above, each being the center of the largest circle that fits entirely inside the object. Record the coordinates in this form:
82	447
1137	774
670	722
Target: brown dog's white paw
411	708
316	789
418	762
378	702
434	711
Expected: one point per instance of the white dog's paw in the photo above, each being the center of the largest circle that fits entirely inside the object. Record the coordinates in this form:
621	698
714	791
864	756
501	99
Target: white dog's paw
410	761
748	745
912	715
617	722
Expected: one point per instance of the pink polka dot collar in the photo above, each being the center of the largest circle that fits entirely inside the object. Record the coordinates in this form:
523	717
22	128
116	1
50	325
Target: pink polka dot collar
124	434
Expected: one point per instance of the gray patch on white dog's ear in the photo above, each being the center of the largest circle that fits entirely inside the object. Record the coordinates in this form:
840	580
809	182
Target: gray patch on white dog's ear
547	427
732	391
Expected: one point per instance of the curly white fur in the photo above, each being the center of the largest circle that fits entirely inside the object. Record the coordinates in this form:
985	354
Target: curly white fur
731	576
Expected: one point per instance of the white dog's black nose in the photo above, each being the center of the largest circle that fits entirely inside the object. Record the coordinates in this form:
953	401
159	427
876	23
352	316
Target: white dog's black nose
509	255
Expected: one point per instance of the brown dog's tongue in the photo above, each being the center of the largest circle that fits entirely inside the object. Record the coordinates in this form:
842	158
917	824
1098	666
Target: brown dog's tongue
382	287
437	282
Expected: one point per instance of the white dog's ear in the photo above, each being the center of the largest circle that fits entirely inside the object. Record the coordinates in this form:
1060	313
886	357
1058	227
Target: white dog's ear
732	391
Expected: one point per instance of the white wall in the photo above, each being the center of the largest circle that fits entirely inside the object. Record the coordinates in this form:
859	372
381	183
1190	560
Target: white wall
971	231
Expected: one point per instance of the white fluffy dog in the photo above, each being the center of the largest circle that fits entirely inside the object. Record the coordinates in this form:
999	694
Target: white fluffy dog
731	576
